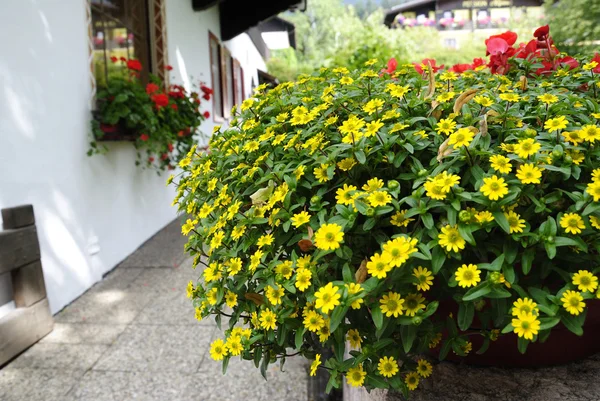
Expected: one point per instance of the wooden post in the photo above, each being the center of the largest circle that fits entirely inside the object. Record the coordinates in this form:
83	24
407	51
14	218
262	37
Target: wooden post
20	255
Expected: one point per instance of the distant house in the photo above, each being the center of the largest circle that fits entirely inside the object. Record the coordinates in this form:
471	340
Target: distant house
92	212
452	15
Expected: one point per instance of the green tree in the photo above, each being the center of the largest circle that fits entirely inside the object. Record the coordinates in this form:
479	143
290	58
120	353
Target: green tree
574	24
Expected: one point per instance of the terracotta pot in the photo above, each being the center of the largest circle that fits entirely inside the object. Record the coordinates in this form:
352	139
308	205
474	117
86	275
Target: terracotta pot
562	346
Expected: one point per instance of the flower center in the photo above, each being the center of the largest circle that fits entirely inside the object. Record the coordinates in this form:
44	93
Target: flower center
392	305
326	297
525	325
411	303
585	280
494	186
468	275
574	302
329	236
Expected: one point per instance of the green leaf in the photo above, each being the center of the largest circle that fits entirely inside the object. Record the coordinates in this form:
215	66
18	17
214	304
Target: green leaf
478	291
377	317
591	208
550	250
360	156
573	323
408	334
376	382
225	364
332	382
502	221
257	356
522	344
438	257
427	220
466	312
484	346
336	317
299	338
565	241
466	233
340	345
527	260
369	224
547	323
120	98
347	274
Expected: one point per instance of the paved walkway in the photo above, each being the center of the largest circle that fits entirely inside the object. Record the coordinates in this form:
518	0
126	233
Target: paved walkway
133	336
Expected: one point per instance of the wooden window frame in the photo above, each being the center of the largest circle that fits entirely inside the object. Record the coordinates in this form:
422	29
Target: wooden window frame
237	67
212	38
226	81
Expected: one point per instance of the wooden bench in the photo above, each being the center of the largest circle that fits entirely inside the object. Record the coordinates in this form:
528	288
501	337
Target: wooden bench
20	257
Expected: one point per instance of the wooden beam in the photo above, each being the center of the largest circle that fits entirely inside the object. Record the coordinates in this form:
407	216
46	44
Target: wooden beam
201	5
18	248
28	285
22	328
18	217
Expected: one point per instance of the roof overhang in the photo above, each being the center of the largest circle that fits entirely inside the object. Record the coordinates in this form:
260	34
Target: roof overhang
414	5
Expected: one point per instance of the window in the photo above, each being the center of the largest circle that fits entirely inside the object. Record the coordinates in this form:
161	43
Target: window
122	29
227	81
238	82
215	69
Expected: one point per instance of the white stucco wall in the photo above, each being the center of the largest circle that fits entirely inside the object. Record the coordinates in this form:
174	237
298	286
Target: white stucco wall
243	49
44	117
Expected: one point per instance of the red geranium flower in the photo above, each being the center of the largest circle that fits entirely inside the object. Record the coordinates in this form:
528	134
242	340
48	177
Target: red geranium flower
151	159
197	101
160	100
392	64
123	59
170	147
134	65
206	90
206	114
168	68
180	134
144	137
151	88
427	62
597	60
114	59
541	32
174	107
164	156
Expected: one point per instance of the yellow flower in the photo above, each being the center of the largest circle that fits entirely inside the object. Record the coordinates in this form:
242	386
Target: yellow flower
526	325
448	76
216	240
346	164
447	181
190	289
424	368
509	97
373	185
445	126
494	188
379	265
524	306
451	239
188	226
218	350
373	105
397	90
573	302
391	304
572	223
345	195
446	96
387	367
399	219
399	250
268	320
237	232
329	236
595	222
515	222
372	128
468	275
590	66
413	303
354	337
346	80
483	101
435	340
327	298
264	240
379	198
484	217
315	364
356	376
548	98
424	278
462	137
231	299
321	173
585	281
435	190
247	104
412	380
303	277
529	174
300	218
590	133
501	164
554	124
593	189
527	147
313	321
274	295
353	289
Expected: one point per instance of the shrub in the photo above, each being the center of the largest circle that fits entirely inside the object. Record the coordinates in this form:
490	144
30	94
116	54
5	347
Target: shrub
160	120
350	204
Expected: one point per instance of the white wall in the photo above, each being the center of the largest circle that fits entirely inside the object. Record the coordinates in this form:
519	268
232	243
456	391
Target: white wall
44	120
242	48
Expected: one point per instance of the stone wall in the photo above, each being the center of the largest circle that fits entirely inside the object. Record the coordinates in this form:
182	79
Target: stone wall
579	381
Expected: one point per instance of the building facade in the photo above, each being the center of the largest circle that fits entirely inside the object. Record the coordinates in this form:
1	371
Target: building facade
92	212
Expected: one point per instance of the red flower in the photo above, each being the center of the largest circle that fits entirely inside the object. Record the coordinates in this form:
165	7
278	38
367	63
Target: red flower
114	59
160	100
206	90
197	101
151	88
144	137
392	64
174	107
460	68
180	134
206	114
206	96
106	128
168	68
597	60
151	159
496	46
170	147
427	62
509	37
134	65
541	32
164	156
123	59
477	62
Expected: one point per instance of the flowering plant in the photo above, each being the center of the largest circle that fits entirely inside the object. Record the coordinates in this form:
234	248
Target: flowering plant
161	121
349	206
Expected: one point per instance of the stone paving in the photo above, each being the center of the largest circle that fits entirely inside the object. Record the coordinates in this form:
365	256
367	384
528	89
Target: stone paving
133	336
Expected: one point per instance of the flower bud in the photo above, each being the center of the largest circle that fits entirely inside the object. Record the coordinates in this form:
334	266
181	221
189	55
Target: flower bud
479	305
423	173
417	320
465	216
370	212
315	200
393	184
550	239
